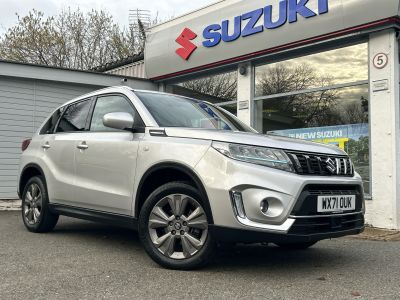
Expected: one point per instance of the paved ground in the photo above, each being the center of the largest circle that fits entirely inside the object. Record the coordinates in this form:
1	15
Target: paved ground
376	234
7	205
82	260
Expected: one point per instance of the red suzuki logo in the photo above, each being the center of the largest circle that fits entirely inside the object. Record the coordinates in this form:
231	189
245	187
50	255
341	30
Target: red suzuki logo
184	39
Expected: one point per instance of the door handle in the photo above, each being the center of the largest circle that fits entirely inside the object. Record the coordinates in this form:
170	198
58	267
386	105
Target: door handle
46	146
82	146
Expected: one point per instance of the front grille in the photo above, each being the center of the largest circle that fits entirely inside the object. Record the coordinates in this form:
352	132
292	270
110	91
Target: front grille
306	204
332	224
321	164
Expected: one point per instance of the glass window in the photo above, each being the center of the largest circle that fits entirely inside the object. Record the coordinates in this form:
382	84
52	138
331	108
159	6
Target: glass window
175	111
51	124
75	116
106	105
349	64
323	108
214	89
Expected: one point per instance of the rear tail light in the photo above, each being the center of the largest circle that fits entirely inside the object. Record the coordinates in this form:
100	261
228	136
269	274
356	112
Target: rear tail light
25	144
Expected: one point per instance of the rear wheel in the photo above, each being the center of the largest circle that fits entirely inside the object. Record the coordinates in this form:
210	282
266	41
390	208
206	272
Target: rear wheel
173	227
35	209
296	246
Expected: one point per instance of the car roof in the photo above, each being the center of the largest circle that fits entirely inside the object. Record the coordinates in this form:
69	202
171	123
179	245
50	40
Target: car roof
113	89
119	89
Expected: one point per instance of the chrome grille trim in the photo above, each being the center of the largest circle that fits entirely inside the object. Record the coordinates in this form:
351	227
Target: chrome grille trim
315	164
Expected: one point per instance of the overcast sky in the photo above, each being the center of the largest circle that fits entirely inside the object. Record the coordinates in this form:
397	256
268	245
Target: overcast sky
119	9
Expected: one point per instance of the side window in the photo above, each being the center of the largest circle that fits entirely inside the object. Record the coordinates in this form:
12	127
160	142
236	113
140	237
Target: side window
51	124
110	104
75	116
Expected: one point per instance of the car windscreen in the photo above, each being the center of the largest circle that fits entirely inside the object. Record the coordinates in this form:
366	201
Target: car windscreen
176	111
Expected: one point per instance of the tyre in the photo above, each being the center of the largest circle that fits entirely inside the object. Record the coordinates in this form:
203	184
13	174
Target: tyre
35	209
296	246
173	227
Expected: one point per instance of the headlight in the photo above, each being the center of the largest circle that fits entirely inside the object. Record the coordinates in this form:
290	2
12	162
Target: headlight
273	158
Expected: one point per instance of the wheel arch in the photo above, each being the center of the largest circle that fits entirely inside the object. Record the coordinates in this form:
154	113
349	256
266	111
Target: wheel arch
175	168
29	171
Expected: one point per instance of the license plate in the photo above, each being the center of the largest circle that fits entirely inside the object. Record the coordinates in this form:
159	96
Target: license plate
336	203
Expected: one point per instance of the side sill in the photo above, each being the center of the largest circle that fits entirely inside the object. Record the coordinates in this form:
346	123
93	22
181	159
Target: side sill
95	215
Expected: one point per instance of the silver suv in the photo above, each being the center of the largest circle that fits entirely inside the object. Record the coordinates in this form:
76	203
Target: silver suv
186	174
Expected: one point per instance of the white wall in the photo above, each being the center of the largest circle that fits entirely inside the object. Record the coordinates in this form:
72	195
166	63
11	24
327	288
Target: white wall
384	208
245	93
135	69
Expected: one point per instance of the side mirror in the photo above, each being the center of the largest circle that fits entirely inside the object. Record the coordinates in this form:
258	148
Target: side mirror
118	120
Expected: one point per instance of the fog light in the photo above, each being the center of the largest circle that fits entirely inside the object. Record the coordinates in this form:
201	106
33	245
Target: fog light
264	206
238	204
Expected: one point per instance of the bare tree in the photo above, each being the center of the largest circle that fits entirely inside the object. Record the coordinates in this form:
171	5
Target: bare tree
354	112
309	109
282	79
71	39
142	35
221	86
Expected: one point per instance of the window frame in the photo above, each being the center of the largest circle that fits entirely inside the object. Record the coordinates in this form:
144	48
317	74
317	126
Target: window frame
138	127
313	90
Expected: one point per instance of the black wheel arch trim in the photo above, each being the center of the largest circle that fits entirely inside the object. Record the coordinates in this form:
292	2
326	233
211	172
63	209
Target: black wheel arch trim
28	166
179	167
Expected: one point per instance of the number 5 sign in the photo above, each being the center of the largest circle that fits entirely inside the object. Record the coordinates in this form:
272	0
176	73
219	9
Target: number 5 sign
381	60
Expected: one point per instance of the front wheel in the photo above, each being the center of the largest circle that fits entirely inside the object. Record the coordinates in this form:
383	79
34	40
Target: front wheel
296	246
173	227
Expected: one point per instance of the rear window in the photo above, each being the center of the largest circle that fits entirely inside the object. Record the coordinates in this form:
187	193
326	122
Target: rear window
51	124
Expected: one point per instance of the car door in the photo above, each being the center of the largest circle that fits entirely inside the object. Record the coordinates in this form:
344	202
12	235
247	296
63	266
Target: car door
106	159
58	149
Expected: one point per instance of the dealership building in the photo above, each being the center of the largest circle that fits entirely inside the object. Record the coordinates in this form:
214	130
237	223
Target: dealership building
320	70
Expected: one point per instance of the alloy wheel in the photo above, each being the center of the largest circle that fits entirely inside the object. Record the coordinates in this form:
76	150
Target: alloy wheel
33	204
178	226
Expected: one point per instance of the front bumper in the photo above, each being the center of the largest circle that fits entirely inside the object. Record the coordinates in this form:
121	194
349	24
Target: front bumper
303	230
293	197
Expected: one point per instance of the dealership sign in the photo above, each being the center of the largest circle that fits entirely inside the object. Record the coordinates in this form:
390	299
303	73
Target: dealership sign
338	135
248	24
232	31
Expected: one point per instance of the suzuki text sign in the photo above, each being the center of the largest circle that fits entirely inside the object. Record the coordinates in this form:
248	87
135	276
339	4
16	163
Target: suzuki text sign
256	21
231	30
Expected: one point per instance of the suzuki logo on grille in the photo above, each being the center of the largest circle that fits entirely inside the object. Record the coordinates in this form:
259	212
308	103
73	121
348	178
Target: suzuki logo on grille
184	39
331	165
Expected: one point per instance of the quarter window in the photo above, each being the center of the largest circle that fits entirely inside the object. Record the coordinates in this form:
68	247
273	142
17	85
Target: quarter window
106	105
51	124
75	116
